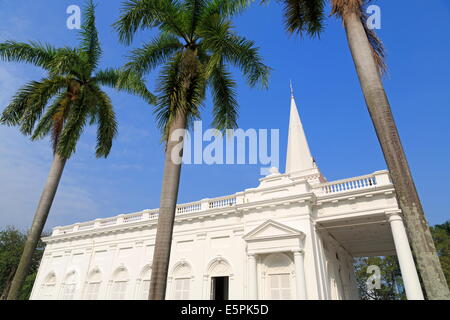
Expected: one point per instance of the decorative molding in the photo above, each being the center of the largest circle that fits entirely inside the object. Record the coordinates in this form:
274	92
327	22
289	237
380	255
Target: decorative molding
286	232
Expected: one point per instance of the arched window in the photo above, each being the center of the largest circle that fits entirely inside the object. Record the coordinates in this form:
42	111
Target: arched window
48	287
182	277
119	284
278	272
144	283
93	284
69	286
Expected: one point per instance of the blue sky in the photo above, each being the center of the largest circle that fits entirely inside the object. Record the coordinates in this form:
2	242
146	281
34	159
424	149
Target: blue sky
331	104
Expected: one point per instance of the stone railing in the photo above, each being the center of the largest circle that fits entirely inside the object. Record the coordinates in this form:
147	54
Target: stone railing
377	179
358	183
188	208
222	202
146	215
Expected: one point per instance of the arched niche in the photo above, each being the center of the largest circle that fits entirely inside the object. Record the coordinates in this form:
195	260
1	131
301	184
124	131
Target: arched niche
119	285
278	276
181	280
143	283
93	284
49	286
69	285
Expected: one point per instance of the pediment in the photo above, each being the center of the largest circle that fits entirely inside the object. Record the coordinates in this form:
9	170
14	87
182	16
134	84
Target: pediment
273	229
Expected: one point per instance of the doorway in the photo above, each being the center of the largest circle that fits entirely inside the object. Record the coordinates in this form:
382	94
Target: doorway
219	288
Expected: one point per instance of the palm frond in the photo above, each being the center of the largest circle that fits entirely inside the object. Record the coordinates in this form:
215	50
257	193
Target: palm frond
168	95
90	44
181	90
194	97
225	109
218	37
193	10
225	8
125	80
35	53
107	124
243	53
141	14
28	104
74	123
153	53
14	111
68	61
304	16
57	127
46	123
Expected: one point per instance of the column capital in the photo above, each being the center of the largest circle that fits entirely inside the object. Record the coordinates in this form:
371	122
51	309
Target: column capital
298	251
251	255
394	215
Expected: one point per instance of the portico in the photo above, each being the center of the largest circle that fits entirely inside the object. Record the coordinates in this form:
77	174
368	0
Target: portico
268	240
378	234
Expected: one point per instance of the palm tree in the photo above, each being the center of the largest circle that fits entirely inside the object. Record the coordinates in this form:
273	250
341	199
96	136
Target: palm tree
195	44
61	105
307	16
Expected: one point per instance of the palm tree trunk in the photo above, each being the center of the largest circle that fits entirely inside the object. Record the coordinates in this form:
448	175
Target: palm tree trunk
168	202
35	232
380	112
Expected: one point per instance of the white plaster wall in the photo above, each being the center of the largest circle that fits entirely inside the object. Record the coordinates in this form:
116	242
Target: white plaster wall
217	233
196	243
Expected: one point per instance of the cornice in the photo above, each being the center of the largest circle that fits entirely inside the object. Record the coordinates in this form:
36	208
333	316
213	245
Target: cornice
239	209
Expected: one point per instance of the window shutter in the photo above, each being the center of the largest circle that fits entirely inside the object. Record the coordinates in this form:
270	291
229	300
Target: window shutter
280	286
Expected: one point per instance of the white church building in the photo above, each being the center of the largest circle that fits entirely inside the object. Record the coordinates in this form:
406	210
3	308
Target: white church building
294	236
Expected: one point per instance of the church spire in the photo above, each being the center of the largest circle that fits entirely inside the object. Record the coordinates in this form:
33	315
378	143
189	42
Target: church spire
298	154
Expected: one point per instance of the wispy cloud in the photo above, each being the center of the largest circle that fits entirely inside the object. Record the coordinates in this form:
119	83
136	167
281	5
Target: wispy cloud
23	170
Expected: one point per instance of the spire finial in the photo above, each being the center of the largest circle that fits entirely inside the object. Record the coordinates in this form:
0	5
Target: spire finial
292	89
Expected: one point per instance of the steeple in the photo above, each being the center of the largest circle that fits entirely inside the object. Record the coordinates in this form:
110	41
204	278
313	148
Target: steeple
298	157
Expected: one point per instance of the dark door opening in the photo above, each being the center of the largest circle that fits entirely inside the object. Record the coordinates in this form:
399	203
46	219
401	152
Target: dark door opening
219	288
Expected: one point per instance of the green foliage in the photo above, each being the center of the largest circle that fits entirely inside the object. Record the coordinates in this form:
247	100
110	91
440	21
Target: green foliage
195	46
70	97
391	281
441	237
12	242
304	16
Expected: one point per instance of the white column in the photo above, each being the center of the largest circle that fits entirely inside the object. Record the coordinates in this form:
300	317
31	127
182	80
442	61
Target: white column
252	278
205	288
300	274
405	258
